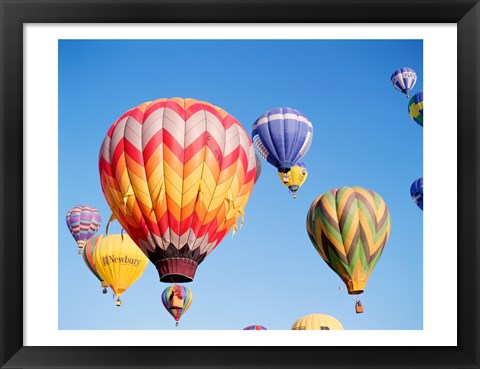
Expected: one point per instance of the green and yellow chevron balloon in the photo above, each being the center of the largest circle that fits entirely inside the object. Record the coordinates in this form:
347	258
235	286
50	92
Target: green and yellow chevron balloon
349	227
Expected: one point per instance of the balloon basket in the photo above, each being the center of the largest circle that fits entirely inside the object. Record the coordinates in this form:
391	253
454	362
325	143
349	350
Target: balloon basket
176	324
118	302
358	307
104	291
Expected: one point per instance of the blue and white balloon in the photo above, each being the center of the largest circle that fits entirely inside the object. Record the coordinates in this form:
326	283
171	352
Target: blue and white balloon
416	191
404	79
282	136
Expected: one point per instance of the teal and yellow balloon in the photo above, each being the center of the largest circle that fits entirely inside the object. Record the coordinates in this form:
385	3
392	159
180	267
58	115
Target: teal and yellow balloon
349	227
415	108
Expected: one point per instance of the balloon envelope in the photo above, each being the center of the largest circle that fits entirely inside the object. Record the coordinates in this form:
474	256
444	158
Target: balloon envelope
177	299
404	79
255	328
119	262
177	174
295	177
83	222
317	322
415	108
88	254
282	136
349	228
416	191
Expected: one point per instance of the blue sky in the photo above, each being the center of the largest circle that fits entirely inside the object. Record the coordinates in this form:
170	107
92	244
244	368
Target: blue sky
268	273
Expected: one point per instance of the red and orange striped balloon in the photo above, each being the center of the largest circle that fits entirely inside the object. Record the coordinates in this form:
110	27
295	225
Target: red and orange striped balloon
177	175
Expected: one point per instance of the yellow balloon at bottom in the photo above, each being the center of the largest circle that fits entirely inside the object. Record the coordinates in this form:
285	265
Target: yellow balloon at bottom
317	322
120	262
294	178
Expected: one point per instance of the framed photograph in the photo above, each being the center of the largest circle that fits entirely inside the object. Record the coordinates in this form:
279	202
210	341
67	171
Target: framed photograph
106	108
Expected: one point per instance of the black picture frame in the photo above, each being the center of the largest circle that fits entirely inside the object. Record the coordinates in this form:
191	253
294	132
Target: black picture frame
15	13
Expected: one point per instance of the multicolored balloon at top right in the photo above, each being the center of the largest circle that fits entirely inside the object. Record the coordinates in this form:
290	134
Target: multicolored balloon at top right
415	108
404	79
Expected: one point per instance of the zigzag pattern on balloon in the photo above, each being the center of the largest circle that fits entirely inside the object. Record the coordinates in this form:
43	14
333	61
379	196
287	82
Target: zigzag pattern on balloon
349	227
177	175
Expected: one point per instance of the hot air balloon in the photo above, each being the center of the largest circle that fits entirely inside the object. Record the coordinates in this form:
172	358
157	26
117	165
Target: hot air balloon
119	262
295	178
83	222
318	322
416	191
282	136
404	79
177	300
415	108
177	175
88	256
349	228
255	328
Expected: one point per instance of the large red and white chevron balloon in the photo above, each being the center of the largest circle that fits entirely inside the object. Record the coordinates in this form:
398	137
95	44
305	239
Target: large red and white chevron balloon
177	174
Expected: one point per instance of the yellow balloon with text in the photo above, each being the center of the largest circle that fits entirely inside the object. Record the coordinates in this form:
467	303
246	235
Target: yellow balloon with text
120	262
